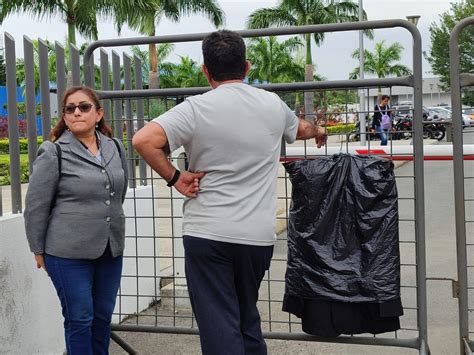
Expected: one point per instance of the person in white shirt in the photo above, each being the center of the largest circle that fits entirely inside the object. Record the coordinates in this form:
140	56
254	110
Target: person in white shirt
232	136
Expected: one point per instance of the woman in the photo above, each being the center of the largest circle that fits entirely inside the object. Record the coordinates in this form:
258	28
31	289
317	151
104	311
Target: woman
74	219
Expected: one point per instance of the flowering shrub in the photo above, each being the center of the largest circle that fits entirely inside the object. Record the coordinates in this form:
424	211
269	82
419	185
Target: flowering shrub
4	127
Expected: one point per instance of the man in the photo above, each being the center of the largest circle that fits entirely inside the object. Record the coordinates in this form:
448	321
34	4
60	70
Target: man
232	137
381	122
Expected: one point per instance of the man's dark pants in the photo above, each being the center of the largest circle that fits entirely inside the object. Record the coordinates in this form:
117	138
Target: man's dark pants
223	281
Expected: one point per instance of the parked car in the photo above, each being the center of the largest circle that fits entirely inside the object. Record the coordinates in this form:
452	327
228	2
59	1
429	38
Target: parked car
470	112
446	114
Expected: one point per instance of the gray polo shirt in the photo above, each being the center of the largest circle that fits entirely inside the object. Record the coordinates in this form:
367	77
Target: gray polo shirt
232	133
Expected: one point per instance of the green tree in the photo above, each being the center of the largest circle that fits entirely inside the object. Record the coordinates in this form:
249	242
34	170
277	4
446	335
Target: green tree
187	73
438	55
173	10
163	51
381	62
273	61
306	12
80	15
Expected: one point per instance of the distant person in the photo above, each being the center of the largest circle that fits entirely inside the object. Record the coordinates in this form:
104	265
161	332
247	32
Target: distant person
382	120
74	219
232	135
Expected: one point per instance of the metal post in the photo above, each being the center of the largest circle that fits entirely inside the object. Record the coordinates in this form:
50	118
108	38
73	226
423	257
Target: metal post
362	120
458	166
44	88
75	65
30	101
60	76
419	186
127	69
104	82
140	114
117	103
14	150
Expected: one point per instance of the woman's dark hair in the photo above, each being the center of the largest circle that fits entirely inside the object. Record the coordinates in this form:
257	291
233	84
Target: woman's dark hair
384	97
60	127
224	55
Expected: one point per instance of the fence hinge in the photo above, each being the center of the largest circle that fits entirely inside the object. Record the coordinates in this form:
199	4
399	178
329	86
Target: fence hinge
455	286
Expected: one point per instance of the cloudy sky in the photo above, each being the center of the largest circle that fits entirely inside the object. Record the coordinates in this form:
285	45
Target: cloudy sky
333	58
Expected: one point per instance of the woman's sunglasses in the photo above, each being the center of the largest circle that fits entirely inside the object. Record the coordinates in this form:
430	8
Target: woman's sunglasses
84	107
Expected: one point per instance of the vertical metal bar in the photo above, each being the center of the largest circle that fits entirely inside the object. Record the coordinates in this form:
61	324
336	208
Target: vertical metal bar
127	69
362	123
14	146
458	167
75	65
60	75
91	81
104	82
117	103
422	316
140	114
44	88
30	101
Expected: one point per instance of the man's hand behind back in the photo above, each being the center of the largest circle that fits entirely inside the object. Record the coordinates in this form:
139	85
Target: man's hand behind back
321	136
188	183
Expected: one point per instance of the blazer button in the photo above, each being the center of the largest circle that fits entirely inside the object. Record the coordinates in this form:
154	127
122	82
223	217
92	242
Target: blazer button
108	219
107	187
103	171
107	202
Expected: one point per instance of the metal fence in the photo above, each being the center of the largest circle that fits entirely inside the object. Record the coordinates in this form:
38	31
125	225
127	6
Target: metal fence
171	312
153	296
463	193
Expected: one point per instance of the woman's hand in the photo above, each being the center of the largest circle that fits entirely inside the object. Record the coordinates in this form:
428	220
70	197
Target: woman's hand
40	261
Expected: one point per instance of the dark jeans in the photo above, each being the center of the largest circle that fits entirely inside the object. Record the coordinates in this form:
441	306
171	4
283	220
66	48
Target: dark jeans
87	290
223	281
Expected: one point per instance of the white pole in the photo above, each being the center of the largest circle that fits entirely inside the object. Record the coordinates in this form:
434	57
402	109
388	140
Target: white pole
362	120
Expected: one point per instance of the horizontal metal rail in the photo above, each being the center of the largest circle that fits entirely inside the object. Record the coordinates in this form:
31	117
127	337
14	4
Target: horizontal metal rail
284	87
404	343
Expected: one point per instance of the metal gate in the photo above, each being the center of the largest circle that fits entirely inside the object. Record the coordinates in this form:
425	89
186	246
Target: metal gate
156	300
463	193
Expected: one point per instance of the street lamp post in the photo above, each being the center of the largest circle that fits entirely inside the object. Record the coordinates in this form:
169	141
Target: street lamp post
413	19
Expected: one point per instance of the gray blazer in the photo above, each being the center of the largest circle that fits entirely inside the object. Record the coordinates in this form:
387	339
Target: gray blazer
76	214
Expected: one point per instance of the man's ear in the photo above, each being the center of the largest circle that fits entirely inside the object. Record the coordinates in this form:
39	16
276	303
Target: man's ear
248	65
206	73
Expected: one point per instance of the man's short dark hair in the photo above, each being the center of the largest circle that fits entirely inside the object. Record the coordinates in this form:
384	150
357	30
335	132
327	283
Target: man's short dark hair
384	97
224	55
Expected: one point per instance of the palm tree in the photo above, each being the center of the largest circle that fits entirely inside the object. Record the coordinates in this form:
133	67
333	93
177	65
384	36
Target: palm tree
381	61
306	12
185	74
273	61
173	10
163	51
80	15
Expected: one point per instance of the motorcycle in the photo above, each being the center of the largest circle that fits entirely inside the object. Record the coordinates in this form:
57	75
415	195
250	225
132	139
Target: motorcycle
402	127
434	128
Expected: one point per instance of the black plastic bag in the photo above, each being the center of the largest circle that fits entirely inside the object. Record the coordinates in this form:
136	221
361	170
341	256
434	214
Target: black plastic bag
343	238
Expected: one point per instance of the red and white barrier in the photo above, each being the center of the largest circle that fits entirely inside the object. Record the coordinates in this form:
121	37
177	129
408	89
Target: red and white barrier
395	152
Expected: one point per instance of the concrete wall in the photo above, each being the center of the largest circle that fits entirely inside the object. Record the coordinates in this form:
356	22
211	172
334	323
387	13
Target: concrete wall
30	312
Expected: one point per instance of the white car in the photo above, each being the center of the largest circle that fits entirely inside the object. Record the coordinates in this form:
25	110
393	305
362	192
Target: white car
446	114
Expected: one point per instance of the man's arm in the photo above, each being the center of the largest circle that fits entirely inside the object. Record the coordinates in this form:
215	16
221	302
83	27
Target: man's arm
307	130
152	144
